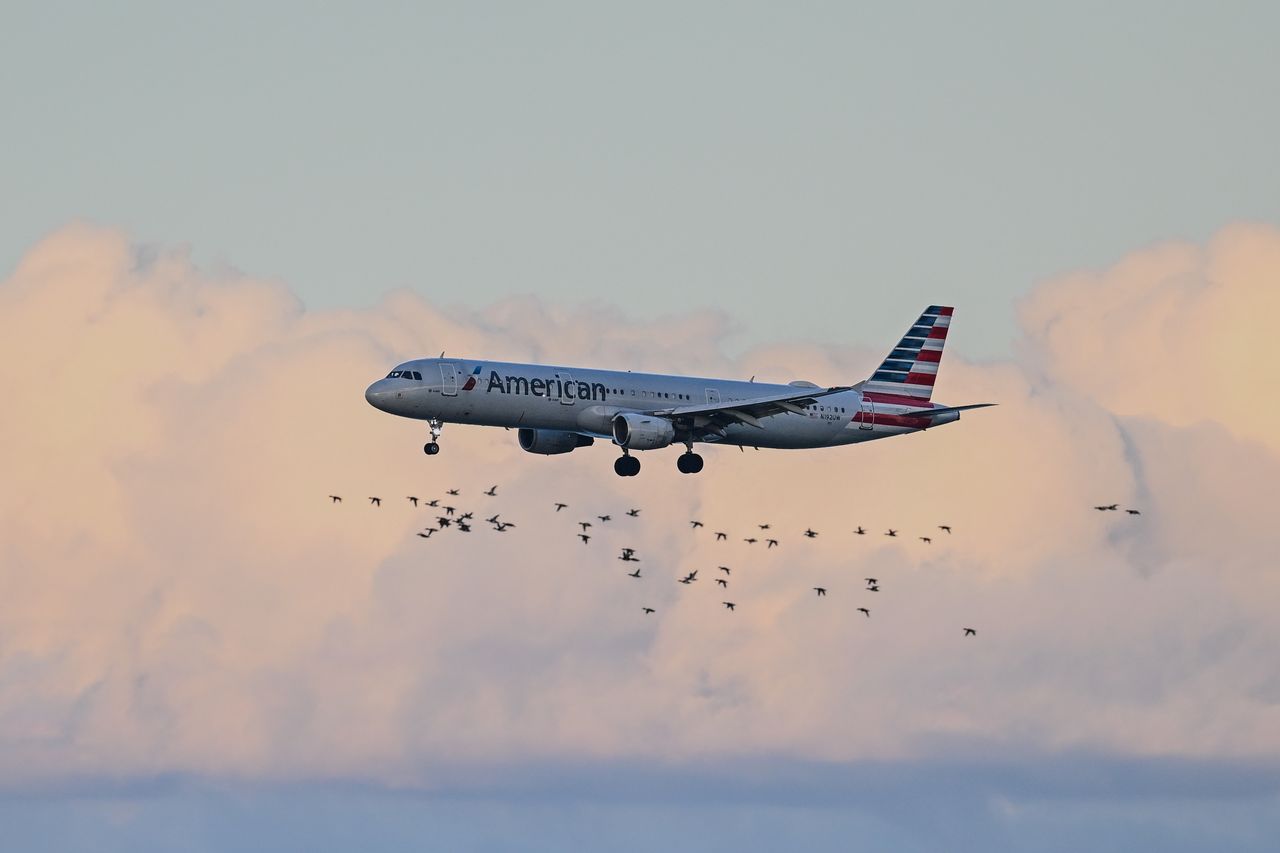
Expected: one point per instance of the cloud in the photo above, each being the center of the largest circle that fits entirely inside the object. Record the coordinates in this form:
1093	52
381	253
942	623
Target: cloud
179	596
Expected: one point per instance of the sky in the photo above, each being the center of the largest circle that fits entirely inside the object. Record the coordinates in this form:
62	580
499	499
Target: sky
219	225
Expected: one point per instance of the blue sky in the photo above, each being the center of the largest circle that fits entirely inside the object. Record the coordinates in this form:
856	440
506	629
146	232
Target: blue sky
811	170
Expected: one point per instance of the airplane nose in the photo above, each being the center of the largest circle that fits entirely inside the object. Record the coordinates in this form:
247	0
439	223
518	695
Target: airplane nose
377	393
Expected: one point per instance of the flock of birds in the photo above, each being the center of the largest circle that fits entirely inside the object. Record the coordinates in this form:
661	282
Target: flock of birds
450	517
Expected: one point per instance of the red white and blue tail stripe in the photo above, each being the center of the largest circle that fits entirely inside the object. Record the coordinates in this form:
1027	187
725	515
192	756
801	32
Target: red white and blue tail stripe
909	371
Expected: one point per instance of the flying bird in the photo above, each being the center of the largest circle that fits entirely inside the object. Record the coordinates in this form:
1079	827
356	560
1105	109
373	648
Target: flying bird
633	512
690	578
502	526
584	525
634	574
695	524
452	492
335	498
449	510
763	526
721	582
772	542
810	533
466	515
875	587
750	541
729	605
464	527
584	537
1133	512
946	527
604	518
560	506
376	501
444	520
493	519
426	534
1107	508
720	536
820	590
865	612
724	569
860	531
432	502
412	499
492	491
647	609
969	632
892	533
925	539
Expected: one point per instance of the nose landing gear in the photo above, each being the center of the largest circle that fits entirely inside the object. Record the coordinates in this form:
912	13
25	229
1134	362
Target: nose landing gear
432	447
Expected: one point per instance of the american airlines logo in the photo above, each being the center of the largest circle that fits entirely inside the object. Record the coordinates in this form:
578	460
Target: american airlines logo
565	389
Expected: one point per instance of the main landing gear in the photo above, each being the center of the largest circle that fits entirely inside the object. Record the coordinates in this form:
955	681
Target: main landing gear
689	463
626	465
432	447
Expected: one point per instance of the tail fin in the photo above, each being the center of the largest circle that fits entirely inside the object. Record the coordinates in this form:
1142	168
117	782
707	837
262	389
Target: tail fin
910	369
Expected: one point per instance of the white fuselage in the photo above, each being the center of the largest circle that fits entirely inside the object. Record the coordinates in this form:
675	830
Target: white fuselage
585	401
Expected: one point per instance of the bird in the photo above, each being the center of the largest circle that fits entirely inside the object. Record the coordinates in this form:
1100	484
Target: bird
771	542
412	499
432	502
449	510
721	582
634	574
560	506
925	539
969	632
720	536
452	492
860	531
502	526
750	541
820	590
466	515
376	501
946	527
647	609
444	520
426	534
763	526
336	498
892	533
810	533
1133	512
695	524
865	612
604	518
628	558
633	512
875	587
1107	508
690	578
584	525
729	605
493	519
724	569
492	491
464	527
584	537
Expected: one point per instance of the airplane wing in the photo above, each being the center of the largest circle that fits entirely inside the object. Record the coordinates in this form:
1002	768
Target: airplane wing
750	411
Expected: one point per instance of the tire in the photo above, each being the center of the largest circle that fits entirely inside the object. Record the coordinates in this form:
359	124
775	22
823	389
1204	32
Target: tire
620	466
431	448
695	463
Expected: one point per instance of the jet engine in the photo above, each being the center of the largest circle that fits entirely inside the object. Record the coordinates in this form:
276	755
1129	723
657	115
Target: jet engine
551	441
635	431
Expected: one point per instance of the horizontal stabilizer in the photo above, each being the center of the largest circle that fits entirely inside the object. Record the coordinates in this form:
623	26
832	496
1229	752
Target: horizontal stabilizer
945	410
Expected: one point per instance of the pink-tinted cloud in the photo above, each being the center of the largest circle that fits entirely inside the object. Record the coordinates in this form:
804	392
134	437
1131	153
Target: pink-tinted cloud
179	595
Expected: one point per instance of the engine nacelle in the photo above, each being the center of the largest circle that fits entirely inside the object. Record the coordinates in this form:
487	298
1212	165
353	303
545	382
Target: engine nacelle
551	441
635	431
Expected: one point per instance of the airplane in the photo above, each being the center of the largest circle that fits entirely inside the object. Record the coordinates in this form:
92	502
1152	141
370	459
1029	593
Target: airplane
559	409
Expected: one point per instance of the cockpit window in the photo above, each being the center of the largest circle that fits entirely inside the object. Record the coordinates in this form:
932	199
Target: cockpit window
417	376
395	374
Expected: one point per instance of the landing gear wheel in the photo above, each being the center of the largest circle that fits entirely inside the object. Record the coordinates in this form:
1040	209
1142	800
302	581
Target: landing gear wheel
626	466
431	448
689	463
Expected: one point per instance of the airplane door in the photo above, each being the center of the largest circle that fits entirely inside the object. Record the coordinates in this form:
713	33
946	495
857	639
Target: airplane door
713	397
565	399
868	409
449	373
